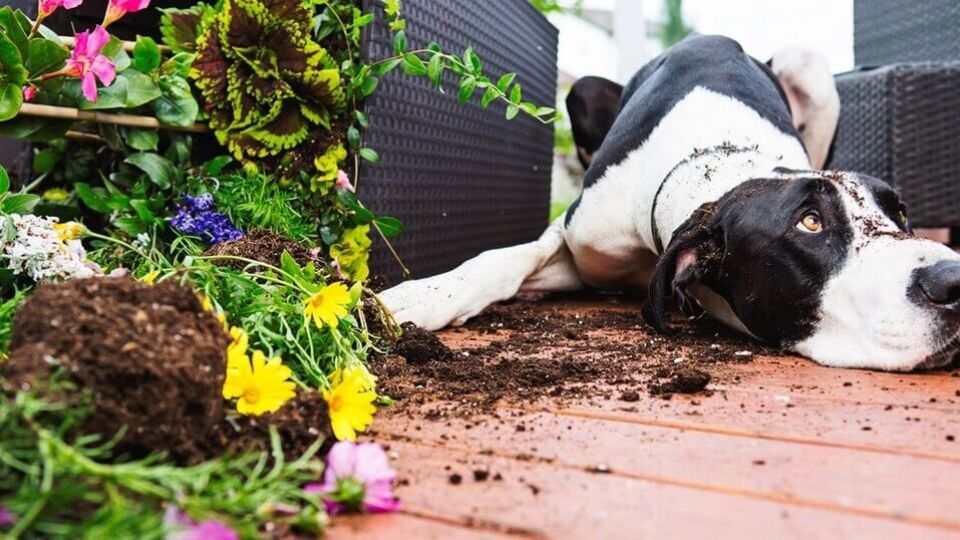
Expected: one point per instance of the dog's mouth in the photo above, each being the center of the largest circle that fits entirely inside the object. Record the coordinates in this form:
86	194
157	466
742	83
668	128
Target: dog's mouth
944	357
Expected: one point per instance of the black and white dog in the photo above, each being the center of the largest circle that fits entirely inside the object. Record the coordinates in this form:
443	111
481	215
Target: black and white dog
701	187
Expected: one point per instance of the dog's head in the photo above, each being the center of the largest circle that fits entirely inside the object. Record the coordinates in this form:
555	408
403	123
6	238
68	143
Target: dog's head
821	263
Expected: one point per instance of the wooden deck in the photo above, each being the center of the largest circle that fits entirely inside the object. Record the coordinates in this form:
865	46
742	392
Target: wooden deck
781	449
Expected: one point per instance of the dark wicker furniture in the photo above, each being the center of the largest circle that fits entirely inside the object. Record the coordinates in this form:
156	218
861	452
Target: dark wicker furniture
894	31
901	123
463	179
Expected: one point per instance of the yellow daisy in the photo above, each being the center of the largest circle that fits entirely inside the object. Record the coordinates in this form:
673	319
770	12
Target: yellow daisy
350	402
261	385
70	230
151	278
329	305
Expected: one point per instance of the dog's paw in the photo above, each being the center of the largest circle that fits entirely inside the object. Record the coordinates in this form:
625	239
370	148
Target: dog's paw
426	303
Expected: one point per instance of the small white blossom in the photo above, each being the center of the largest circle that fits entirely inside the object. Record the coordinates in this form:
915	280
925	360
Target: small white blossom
142	241
32	246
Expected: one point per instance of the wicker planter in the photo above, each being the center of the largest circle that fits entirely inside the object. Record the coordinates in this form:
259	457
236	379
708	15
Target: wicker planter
901	123
462	179
891	31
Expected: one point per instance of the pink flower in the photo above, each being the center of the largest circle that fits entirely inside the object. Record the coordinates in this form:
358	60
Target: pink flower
187	529
6	517
343	181
116	9
29	93
47	7
87	62
357	478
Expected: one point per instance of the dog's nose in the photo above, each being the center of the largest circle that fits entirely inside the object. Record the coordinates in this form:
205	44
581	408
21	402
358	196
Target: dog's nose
939	283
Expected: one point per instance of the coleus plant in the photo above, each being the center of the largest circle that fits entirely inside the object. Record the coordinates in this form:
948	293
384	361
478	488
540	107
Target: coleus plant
266	83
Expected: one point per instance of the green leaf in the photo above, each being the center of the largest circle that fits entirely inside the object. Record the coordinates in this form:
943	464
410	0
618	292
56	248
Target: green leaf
94	198
111	97
472	61
516	95
141	139
114	51
159	169
512	112
142	208
290	266
140	88
45	160
389	226
13	26
386	67
111	134
504	83
146	54
131	225
353	136
44	56
488	96
215	165
361	119
468	84
11	98
4	181
11	62
413	65
21	203
435	69
176	105
369	154
400	42
368	85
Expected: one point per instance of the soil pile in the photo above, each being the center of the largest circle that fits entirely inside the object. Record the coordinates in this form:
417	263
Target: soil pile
560	347
154	362
259	245
419	346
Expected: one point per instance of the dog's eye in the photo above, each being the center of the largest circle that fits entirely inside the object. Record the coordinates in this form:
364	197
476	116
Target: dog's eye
810	223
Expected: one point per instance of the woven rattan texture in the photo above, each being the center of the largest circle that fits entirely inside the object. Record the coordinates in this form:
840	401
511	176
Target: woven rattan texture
462	179
901	123
892	31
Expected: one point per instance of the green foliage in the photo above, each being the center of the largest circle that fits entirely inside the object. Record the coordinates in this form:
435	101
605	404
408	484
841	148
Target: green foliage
66	485
555	6
674	27
267	82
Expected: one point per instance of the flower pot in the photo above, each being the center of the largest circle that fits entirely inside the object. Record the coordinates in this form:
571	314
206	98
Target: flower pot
463	179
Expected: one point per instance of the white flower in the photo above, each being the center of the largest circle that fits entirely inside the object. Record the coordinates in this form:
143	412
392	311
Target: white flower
32	246
142	241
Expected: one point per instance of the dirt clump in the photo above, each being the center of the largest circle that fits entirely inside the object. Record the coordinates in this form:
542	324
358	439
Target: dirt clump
153	362
419	346
259	245
683	381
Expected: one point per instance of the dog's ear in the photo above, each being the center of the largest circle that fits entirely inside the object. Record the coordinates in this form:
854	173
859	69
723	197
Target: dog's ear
593	105
695	250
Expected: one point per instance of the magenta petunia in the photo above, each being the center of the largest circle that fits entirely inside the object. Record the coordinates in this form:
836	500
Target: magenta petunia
46	7
6	517
116	9
184	528
88	64
358	477
29	93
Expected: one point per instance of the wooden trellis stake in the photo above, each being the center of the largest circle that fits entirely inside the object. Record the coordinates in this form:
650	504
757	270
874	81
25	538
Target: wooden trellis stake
130	120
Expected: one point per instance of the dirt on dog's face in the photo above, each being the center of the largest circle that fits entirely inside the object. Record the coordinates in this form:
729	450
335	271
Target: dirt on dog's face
821	263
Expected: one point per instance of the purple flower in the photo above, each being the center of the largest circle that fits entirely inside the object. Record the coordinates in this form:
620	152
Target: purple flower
196	215
357	478
184	528
6	517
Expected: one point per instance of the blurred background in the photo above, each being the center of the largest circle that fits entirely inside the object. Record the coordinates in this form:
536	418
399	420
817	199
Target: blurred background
614	38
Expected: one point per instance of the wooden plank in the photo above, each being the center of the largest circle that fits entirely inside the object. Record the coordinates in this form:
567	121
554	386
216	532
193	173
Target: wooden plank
542	499
378	527
842	479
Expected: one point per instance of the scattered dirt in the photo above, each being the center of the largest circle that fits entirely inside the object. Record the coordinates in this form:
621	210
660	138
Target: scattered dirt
154	363
560	347
259	245
419	346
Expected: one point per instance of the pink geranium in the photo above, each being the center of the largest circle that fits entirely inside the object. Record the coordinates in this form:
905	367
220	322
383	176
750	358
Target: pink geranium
116	9
357	478
87	62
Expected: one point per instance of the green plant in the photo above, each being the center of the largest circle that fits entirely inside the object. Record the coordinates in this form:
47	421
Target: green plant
674	28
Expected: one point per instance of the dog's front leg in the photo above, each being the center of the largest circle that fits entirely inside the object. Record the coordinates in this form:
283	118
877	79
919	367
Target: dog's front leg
452	298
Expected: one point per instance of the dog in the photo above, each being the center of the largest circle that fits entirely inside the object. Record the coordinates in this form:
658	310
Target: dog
703	185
